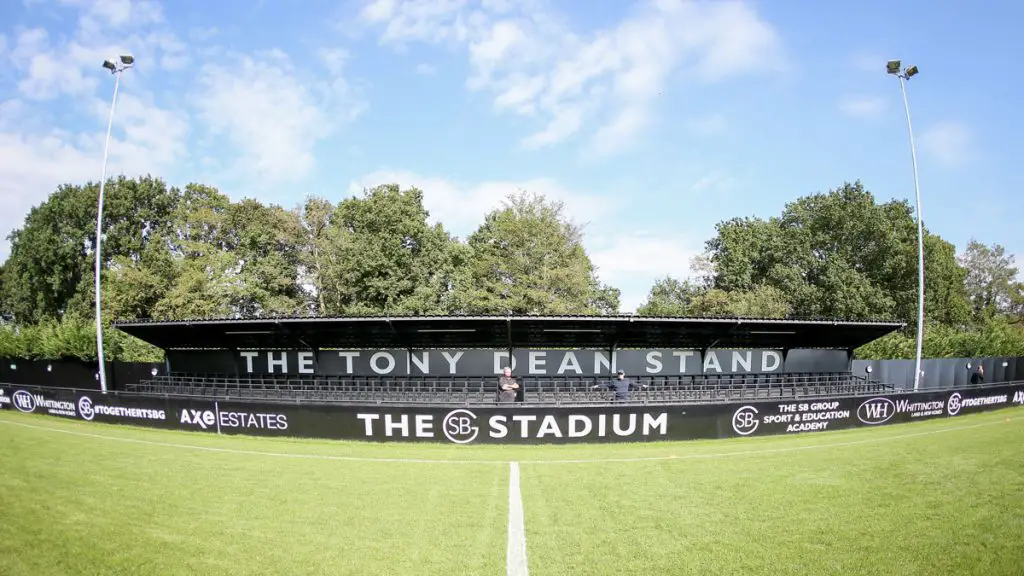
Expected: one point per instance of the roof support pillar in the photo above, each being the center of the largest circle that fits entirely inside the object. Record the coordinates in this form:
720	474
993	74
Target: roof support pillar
508	339
235	359
611	356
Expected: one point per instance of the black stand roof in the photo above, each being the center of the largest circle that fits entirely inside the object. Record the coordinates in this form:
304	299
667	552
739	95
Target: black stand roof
501	332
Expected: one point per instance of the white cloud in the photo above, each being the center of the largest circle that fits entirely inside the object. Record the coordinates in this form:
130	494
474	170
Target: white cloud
862	106
99	15
334	59
425	70
378	11
147	139
40	150
461	207
48	72
272	113
950	143
616	136
532	64
633	262
628	261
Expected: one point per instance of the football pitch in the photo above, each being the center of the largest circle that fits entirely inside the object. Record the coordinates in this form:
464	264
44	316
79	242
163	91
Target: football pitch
944	496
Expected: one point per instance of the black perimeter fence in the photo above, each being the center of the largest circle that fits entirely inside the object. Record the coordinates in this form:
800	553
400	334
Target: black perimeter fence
483	391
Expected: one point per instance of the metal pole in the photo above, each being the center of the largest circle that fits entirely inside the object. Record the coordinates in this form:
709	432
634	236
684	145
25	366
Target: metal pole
99	232
920	242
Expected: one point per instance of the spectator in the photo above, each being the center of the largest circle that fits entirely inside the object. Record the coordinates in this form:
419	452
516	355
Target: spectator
507	386
620	385
979	375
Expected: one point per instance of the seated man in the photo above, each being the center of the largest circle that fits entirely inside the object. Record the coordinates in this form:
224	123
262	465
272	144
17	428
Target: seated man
507	386
979	376
621	385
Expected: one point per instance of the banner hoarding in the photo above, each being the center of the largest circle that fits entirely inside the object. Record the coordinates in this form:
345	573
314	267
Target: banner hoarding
508	425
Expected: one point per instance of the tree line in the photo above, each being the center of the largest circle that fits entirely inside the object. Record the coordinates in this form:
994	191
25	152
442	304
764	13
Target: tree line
181	253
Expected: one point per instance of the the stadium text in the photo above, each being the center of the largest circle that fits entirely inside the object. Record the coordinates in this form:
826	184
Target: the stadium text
461	426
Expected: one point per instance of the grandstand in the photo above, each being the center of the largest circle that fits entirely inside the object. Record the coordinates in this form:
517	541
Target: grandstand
478	391
205	358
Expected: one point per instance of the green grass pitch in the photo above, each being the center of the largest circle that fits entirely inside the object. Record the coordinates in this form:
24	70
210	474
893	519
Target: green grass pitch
930	498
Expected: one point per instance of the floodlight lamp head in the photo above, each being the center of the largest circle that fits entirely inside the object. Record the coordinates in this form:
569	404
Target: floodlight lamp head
893	67
968	365
911	71
109	65
127	59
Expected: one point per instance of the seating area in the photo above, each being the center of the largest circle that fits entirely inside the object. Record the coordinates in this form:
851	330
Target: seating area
463	391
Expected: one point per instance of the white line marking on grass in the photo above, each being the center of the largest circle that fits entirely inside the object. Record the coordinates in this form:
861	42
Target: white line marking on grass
515	555
709	455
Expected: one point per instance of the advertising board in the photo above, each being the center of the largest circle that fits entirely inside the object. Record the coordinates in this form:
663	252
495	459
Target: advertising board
508	425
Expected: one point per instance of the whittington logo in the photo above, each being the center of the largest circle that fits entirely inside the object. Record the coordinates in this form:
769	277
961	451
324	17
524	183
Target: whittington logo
876	411
881	410
28	403
24	401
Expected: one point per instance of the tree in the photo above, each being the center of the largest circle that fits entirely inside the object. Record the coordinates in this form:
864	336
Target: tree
840	255
382	256
991	280
5	314
998	337
50	268
266	244
204	270
528	259
317	248
671	297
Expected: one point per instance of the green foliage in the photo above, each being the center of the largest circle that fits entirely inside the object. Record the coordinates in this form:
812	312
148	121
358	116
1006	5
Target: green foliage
172	253
52	255
998	337
72	337
671	297
991	281
840	255
527	258
382	255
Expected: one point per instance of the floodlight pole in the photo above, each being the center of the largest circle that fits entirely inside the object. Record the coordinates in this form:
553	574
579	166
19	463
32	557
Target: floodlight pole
116	70
903	76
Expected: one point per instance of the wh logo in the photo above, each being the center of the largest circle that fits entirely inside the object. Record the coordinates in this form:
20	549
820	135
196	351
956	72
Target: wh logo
876	411
745	421
24	401
459	426
85	408
202	418
953	406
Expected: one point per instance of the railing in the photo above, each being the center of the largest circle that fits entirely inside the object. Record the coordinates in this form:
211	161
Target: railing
435	390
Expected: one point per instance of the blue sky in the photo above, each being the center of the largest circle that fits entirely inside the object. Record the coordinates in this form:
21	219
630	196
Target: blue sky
651	120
